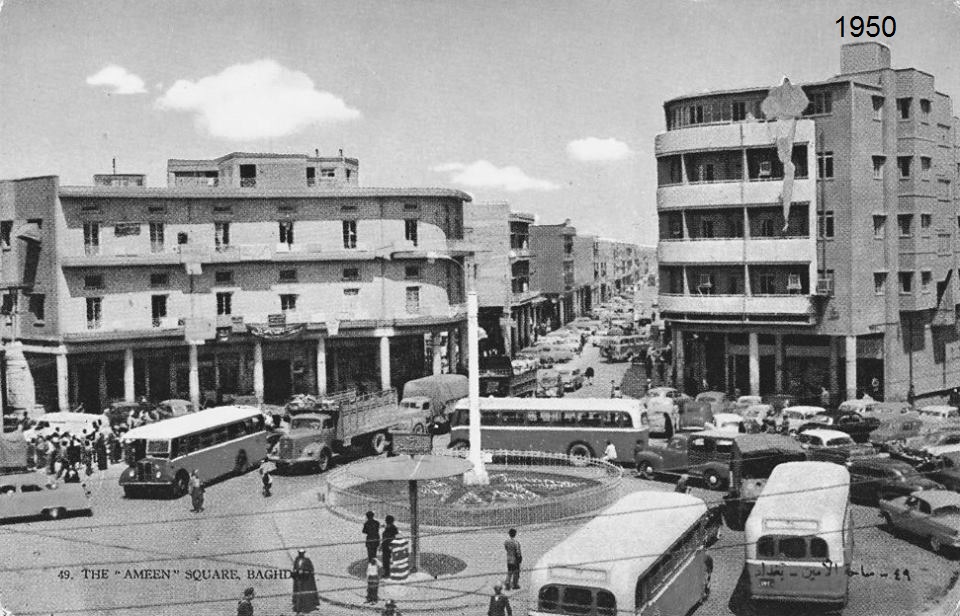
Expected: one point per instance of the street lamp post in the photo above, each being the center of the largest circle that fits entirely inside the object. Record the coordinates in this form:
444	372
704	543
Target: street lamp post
478	474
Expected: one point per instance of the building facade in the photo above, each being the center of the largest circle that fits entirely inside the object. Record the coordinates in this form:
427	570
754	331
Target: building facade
510	301
554	262
264	279
855	288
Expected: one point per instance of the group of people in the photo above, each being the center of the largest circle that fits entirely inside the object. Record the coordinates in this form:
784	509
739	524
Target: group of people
375	540
68	456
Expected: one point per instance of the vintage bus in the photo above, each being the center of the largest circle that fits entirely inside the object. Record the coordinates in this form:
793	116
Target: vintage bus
645	555
216	442
624	348
24	495
574	426
799	535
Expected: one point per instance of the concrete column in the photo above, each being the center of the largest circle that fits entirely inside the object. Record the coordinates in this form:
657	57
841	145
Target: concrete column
216	372
678	357
778	357
102	382
451	351
850	357
384	362
258	370
834	368
194	378
727	385
63	382
754	363
560	303
74	387
437	352
321	366
128	393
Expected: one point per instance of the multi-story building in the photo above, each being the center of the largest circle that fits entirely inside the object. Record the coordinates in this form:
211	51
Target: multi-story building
253	275
583	270
554	262
856	289
510	301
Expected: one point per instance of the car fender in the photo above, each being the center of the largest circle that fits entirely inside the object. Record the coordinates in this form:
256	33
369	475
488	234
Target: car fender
653	459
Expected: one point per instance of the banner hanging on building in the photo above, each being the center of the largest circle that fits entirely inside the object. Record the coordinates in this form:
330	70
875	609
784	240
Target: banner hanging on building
276	332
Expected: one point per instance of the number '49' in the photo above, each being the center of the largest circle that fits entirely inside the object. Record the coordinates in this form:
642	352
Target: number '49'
872	28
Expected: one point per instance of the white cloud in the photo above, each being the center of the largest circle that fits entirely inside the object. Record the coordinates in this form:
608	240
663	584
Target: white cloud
593	150
258	100
118	79
483	174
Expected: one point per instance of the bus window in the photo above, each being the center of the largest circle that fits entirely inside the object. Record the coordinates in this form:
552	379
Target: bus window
793	547
606	603
30	487
7	489
551	418
766	547
549	598
724	446
818	548
625	420
576	600
511	418
158	448
569	418
489	418
534	418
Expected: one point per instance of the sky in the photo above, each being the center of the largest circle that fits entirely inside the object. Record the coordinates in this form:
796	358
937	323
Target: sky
551	105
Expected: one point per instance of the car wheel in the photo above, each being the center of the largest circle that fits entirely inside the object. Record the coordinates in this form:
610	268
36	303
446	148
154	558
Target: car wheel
323	461
419	429
580	450
459	445
712	480
936	545
378	443
645	470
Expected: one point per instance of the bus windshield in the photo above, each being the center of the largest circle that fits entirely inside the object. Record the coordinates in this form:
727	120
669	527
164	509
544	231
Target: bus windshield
158	448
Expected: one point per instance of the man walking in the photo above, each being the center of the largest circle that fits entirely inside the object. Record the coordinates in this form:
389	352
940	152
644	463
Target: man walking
514	558
196	491
499	604
390	533
371	529
245	606
305	597
609	453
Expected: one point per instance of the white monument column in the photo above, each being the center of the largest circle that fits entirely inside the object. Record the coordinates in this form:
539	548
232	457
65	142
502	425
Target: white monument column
754	363
128	391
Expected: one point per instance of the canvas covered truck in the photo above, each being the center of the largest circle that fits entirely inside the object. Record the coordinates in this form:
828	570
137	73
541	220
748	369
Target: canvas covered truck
434	397
502	377
344	424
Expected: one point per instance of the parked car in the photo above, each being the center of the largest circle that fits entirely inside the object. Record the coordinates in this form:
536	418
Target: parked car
941	411
896	429
745	402
695	415
884	409
175	408
947	471
571	378
832	446
780	401
851	422
754	415
719	402
933	515
942	437
874	479
663	408
728	422
792	417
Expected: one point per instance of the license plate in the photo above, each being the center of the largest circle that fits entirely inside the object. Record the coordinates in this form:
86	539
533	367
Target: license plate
766	583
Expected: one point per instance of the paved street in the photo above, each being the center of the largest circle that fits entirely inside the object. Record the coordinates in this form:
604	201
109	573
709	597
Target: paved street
203	562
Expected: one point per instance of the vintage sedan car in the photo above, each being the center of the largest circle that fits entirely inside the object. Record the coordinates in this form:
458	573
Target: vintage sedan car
874	479
943	437
896	429
549	384
932	515
754	415
719	402
663	408
947	471
832	446
727	422
792	417
571	378
854	424
745	402
175	408
941	411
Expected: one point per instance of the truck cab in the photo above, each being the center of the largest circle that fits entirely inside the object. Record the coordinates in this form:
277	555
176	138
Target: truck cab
309	441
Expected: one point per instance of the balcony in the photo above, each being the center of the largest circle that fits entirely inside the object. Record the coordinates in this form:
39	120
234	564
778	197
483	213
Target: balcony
727	308
732	192
737	250
726	135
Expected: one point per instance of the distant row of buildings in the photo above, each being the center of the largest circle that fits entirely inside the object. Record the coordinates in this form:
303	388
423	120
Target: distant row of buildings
268	275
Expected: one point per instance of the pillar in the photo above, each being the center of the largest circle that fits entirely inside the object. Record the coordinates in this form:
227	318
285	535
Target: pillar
172	376
258	370
128	393
102	381
778	356
754	364
63	382
437	352
678	358
727	385
194	378
321	366
850	357
451	350
560	301
834	368
384	362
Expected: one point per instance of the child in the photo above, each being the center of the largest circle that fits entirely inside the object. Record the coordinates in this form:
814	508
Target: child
373	581
267	483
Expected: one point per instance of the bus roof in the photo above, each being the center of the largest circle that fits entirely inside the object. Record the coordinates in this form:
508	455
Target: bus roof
621	543
554	404
799	494
193	422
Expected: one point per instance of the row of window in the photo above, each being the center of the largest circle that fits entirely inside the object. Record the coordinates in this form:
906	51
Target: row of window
225	277
221	234
288	303
905	280
544	419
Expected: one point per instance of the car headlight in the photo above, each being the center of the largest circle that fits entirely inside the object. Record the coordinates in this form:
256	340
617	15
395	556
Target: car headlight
159	474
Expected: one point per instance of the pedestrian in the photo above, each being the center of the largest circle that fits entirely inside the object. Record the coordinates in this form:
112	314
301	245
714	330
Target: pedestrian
245	606
514	558
373	581
499	603
682	484
196	491
588	373
371	529
613	388
32	454
305	597
955	397
609	453
648	365
824	397
390	609
390	533
911	394
661	367
267	482
100	450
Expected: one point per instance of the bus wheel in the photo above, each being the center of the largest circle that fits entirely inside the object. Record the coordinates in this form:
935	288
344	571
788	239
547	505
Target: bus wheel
181	484
459	445
240	466
645	470
580	450
419	429
54	513
323	461
712	479
378	443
